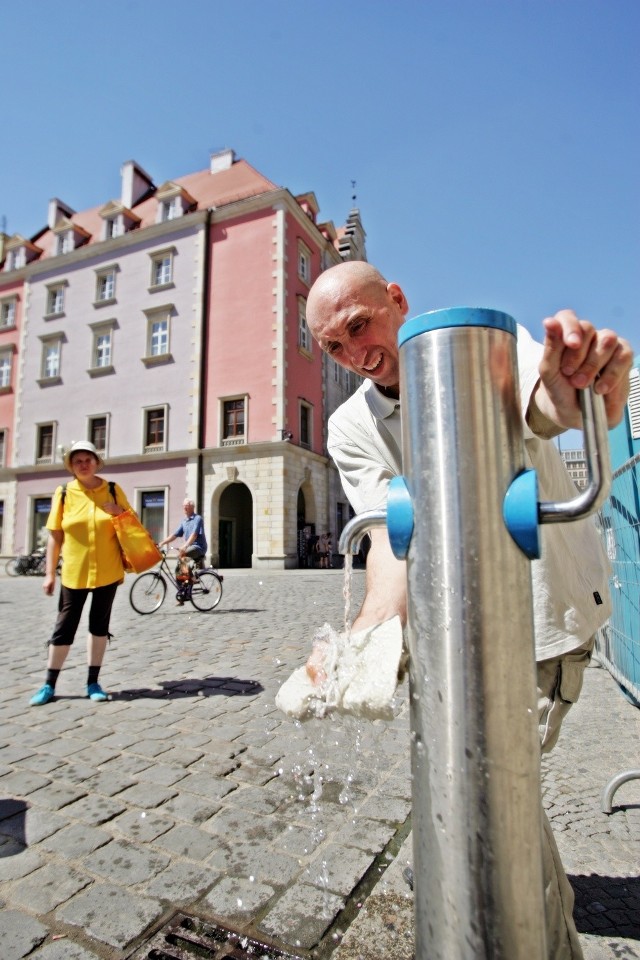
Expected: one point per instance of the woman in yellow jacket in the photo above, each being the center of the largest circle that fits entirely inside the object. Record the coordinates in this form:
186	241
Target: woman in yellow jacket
80	518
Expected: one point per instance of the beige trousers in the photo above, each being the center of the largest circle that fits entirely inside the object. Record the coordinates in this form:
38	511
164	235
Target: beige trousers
559	682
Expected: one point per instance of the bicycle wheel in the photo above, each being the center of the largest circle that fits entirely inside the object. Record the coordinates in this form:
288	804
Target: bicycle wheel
147	593
12	567
206	590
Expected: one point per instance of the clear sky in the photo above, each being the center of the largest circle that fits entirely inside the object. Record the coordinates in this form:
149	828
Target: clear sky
495	144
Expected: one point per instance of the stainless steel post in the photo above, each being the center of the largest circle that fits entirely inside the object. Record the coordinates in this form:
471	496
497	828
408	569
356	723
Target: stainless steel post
465	516
475	751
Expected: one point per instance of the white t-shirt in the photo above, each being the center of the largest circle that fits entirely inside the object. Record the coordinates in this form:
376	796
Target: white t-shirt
572	571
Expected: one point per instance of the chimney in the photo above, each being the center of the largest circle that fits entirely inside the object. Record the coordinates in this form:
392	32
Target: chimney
136	184
222	160
57	210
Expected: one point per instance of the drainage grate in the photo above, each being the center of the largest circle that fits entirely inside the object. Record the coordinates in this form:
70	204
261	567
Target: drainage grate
185	937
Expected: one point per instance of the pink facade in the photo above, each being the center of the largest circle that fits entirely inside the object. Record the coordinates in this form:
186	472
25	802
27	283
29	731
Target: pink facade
240	355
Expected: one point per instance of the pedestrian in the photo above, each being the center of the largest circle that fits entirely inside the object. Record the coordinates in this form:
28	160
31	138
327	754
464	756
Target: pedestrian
195	541
355	315
323	547
80	522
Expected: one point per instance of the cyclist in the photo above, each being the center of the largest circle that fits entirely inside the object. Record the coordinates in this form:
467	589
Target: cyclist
195	542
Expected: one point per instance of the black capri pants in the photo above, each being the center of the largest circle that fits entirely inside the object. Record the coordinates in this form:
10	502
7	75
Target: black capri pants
70	605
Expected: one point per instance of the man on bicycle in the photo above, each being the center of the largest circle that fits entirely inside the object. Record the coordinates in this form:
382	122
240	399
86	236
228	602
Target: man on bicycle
192	529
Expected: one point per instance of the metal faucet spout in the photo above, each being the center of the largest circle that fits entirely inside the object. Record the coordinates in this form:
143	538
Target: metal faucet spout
355	529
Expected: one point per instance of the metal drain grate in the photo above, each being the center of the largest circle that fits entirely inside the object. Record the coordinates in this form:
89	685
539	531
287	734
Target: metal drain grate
185	937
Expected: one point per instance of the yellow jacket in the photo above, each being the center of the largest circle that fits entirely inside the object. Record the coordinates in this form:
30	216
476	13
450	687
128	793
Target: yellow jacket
92	555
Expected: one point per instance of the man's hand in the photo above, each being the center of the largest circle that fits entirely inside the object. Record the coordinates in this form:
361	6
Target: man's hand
576	355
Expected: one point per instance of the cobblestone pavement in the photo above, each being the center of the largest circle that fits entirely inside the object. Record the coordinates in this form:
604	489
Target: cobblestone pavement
189	791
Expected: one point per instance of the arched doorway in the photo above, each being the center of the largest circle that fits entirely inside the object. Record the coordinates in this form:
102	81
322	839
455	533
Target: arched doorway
235	526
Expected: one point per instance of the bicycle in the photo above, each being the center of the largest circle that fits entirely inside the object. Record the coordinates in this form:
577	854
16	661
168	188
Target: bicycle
33	564
202	587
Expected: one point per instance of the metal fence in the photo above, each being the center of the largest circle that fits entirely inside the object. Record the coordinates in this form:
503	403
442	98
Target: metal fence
618	642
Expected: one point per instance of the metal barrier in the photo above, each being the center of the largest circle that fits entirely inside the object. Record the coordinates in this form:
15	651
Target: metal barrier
618	641
465	516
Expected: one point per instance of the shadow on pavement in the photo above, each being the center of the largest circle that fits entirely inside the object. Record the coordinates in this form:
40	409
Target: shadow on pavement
607	906
198	687
17	810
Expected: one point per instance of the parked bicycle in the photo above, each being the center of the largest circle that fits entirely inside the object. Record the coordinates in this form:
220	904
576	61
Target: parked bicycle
29	565
202	587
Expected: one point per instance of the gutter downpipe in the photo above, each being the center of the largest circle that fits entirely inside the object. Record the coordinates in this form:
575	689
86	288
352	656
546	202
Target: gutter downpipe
204	344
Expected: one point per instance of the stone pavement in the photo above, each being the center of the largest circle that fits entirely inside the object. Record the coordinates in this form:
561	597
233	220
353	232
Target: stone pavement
189	792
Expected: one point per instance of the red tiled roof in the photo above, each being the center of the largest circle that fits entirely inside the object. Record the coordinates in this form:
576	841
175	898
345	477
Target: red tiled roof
239	182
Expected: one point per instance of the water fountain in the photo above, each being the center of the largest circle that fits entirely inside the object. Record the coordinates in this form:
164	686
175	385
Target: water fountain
466	517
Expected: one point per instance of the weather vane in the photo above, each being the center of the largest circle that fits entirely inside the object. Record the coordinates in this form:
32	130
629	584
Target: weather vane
353	195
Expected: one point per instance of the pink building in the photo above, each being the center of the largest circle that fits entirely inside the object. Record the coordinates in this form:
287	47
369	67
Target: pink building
168	326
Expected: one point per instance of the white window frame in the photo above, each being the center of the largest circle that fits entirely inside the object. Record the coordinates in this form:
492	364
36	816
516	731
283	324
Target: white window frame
16	258
159	259
168	210
155	447
51	346
103	347
304	334
55	292
8	311
155	317
66	242
304	263
105	285
6	368
101	329
113	227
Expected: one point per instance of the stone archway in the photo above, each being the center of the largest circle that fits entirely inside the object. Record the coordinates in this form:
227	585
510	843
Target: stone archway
235	526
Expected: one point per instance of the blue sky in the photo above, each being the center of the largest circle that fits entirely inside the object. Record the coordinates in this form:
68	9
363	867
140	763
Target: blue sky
495	144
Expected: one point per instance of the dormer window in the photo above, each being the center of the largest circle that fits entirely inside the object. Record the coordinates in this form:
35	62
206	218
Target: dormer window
173	201
118	220
65	242
112	228
169	210
69	236
20	252
16	259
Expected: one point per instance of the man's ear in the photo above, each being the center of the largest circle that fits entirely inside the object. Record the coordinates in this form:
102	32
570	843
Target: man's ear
398	297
